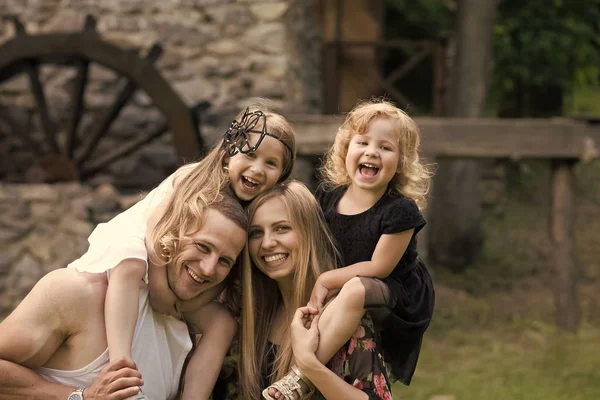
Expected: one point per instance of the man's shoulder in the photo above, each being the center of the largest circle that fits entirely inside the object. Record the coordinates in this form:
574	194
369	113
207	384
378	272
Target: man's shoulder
69	287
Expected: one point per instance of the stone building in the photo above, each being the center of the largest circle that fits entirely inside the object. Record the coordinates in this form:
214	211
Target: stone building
221	51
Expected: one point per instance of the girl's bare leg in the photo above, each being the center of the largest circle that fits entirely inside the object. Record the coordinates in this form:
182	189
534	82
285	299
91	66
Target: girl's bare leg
338	322
218	329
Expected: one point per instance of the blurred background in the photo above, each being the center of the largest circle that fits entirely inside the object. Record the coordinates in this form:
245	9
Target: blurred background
100	101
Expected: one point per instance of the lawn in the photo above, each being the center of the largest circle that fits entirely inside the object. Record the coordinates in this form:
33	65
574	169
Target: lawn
493	335
529	361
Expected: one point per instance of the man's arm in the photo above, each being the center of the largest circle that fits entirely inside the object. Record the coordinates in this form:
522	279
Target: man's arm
28	337
18	382
35	330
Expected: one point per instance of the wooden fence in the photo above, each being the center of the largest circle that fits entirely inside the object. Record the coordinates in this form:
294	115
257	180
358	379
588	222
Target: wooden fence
563	142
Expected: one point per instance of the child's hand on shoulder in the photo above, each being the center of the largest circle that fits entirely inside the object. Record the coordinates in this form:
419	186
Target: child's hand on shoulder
319	293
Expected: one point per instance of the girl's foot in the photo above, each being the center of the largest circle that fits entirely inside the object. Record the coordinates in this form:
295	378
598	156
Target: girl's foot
293	386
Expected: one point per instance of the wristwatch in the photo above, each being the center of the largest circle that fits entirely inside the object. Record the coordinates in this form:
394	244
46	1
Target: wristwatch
76	394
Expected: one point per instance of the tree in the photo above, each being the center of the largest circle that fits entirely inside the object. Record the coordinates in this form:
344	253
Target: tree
543	51
455	232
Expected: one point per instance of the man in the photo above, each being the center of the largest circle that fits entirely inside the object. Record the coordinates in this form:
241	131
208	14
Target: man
58	330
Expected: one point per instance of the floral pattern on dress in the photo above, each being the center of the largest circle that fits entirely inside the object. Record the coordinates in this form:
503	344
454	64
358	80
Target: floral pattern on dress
360	363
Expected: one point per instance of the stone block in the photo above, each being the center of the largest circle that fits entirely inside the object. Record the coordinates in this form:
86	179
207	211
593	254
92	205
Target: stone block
17	210
196	35
269	11
71	190
206	66
6	260
12	229
225	47
268	37
269	88
233	20
40	247
65	20
124	6
233	14
46	211
204	3
75	226
26	269
38	192
196	90
128	201
8	194
105	198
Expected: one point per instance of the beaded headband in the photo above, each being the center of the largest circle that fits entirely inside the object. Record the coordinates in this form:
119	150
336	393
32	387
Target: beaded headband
236	137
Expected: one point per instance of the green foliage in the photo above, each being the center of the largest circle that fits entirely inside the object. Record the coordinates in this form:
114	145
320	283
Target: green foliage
426	18
547	42
543	49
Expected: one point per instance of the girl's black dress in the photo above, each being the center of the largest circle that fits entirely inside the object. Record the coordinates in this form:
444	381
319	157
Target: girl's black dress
410	283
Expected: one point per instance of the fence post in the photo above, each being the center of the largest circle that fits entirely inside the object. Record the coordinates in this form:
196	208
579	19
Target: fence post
568	313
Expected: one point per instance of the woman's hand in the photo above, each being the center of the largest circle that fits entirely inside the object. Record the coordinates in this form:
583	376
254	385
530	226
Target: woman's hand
305	335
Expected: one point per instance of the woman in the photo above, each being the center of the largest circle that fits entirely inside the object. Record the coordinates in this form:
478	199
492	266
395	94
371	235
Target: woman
289	246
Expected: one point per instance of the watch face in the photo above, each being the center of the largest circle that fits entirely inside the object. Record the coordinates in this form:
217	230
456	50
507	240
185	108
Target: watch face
75	396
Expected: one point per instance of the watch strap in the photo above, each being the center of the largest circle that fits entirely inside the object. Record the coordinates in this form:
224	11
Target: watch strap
76	394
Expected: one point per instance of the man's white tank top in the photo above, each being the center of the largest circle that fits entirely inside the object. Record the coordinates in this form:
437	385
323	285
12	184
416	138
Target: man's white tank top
160	346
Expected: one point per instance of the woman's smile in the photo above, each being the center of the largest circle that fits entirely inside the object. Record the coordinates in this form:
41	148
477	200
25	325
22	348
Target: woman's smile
276	259
273	240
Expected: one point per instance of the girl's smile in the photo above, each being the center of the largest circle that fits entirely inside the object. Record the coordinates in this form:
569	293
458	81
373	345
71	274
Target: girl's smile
368	170
253	173
372	159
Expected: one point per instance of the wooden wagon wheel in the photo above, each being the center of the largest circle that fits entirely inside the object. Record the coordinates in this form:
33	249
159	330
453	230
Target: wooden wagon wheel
77	157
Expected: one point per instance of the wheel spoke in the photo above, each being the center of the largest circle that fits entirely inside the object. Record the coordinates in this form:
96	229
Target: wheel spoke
78	93
40	99
123	151
33	72
197	112
101	126
78	106
19	128
82	152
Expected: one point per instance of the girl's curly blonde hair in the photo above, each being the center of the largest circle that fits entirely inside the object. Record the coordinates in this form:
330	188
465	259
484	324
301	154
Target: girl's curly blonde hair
412	178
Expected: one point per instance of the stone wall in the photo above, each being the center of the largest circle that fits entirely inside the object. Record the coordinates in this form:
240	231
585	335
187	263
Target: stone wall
222	51
45	227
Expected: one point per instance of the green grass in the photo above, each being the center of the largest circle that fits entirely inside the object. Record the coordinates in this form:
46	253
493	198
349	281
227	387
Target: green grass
529	363
493	334
583	101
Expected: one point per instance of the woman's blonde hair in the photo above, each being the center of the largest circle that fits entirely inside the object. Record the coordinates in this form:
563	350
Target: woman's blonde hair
412	178
261	297
204	183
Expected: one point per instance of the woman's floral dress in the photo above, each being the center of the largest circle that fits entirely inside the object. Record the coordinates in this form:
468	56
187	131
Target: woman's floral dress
360	363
